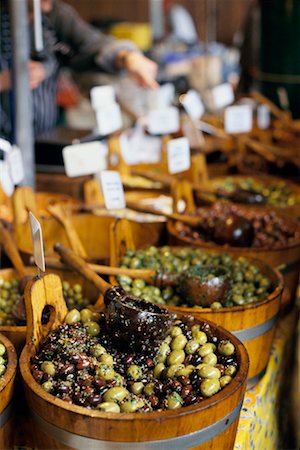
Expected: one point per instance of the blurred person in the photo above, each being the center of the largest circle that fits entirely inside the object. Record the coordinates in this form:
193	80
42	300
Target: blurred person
71	42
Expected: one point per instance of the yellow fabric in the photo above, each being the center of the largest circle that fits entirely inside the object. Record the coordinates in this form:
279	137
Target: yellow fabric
258	428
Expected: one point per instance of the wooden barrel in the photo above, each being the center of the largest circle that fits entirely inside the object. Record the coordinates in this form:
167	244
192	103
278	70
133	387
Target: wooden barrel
6	394
285	258
208	425
254	324
93	231
17	334
292	210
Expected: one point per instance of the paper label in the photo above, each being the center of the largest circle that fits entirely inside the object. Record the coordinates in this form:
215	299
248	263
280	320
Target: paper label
179	155
5	146
109	119
263	117
37	239
193	104
5	178
84	159
112	189
162	97
102	96
16	168
238	119
139	148
163	121
222	95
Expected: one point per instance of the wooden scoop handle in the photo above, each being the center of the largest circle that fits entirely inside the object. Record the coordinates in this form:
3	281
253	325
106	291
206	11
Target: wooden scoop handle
78	264
58	213
11	250
39	293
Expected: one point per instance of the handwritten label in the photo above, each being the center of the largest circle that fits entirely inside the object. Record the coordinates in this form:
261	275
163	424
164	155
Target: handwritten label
222	95
37	239
193	104
263	117
102	96
163	121
84	159
5	178
16	168
112	189
109	119
179	155
238	119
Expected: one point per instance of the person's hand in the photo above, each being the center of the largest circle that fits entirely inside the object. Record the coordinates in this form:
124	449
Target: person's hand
5	80
142	69
37	73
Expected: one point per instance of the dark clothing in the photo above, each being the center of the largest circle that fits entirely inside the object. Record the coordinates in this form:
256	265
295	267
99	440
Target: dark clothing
68	41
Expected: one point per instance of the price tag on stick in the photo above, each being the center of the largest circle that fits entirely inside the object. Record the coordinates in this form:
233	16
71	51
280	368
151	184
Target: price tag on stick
15	161
238	119
112	189
38	247
179	155
5	179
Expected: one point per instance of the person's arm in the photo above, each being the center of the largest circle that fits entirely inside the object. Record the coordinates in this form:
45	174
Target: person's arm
5	81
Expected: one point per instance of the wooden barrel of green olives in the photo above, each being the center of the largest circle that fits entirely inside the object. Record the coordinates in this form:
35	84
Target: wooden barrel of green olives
209	424
9	284
8	368
285	258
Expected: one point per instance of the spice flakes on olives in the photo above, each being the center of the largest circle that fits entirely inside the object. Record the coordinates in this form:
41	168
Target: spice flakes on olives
88	369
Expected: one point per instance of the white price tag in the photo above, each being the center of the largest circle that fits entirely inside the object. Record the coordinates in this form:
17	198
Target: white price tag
222	95
15	161
109	119
238	119
5	179
37	239
5	145
140	148
193	104
102	96
163	121
162	97
263	117
179	155
112	189
84	159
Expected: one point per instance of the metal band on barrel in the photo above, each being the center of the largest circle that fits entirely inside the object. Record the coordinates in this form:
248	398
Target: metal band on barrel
251	333
254	380
4	416
182	442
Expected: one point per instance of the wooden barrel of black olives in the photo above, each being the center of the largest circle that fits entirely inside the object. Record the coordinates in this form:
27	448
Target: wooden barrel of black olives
208	424
8	368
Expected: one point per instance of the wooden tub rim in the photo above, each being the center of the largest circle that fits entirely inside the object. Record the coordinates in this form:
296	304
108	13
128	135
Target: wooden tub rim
239	379
12	362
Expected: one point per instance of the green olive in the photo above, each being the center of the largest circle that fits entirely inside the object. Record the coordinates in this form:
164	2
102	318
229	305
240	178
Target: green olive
230	370
209	372
47	386
49	368
111	407
2	360
174	401
72	316
175	331
158	369
206	349
86	315
93	328
149	389
226	379
2	369
192	346
179	342
185	371
106	359
209	387
97	350
115	394
210	359
105	371
137	388
226	348
163	351
171	371
176	357
134	372
132	405
199	336
2	349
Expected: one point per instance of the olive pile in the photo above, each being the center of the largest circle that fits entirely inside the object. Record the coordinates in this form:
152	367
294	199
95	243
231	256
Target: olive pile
275	194
10	294
268	229
248	284
3	359
79	363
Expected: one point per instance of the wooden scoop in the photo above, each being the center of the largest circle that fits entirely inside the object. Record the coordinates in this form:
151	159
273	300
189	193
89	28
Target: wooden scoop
58	212
132	321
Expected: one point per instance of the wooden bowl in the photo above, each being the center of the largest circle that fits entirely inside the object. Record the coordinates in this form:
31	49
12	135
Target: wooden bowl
285	258
58	425
7	382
